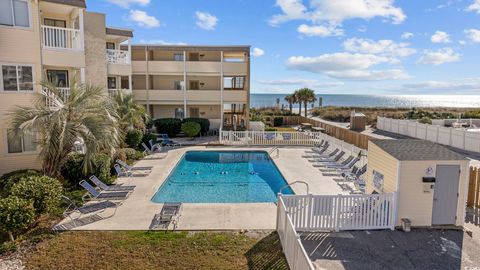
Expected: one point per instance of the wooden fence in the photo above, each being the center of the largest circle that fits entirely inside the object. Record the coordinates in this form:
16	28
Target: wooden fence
473	199
341	133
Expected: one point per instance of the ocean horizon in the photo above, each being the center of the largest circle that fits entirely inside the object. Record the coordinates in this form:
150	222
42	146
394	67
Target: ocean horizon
387	101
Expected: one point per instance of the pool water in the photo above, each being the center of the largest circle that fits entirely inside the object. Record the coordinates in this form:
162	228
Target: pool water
223	177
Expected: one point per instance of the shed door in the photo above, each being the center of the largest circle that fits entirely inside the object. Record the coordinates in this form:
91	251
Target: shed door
445	195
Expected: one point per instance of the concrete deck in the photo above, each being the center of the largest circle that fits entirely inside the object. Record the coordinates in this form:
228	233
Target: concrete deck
137	211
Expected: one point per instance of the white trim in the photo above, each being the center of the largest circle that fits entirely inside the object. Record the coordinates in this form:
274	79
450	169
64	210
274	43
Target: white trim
6	153
16	71
30	19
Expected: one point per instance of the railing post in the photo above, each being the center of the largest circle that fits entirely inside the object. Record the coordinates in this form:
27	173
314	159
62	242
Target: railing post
337	212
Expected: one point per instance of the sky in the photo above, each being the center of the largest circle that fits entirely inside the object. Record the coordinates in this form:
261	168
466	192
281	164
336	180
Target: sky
332	46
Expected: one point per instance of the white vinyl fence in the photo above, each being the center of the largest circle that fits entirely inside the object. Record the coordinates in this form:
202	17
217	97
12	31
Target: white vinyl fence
297	257
461	139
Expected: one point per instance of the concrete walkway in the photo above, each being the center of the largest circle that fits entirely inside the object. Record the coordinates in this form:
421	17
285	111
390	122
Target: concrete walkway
137	211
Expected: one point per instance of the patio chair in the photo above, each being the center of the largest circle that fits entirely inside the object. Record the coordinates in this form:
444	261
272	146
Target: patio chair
336	169
166	141
353	176
120	172
170	214
104	187
324	155
147	149
269	136
93	194
287	136
154	146
127	167
321	161
319	153
331	166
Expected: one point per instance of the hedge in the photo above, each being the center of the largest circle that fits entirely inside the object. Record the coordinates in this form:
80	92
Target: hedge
9	179
16	214
170	126
45	192
203	122
278	121
72	169
191	129
133	138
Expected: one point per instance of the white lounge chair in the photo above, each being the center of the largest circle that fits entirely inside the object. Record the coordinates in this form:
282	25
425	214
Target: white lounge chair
93	194
104	187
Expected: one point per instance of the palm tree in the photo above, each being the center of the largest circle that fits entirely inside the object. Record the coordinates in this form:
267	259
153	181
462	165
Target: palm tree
298	99
306	96
291	99
130	113
84	114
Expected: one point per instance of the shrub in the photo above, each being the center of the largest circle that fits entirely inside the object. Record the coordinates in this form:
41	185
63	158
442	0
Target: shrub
147	137
425	120
170	126
203	122
6	247
139	155
72	169
278	121
191	129
133	138
45	192
130	153
9	179
16	214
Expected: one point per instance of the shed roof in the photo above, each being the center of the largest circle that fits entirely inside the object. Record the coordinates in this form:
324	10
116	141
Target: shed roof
413	149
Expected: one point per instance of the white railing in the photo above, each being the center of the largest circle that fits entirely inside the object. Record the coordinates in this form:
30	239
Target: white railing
270	138
461	139
118	57
341	212
297	257
61	38
53	100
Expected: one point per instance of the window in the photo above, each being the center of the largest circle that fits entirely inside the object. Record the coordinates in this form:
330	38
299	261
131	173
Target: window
178	57
19	144
58	77
193	56
55	23
194	112
177	85
14	13
237	83
179	113
194	85
112	83
17	77
110	45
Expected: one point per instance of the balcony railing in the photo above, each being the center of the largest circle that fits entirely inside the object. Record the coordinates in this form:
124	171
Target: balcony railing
61	38
52	100
114	92
118	57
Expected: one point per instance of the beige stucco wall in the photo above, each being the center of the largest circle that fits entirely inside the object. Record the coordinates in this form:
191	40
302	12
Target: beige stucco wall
210	82
95	52
164	82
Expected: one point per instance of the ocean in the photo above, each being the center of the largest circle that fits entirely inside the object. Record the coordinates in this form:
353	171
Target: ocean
390	101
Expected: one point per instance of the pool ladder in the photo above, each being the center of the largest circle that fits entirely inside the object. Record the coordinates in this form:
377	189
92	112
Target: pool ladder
295	182
273	150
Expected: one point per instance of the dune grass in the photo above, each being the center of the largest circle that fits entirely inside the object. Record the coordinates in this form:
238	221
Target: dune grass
157	250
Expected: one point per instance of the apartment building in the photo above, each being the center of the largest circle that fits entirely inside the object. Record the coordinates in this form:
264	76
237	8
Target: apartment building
56	40
194	81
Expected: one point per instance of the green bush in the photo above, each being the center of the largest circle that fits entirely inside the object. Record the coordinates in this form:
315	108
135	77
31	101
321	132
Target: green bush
133	138
146	139
170	126
130	153
278	121
425	120
72	169
45	192
203	122
9	179
270	129
139	155
16	214
7	247
191	129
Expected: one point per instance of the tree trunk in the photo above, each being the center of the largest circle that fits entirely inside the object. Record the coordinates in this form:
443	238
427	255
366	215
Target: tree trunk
300	108
305	103
10	234
291	107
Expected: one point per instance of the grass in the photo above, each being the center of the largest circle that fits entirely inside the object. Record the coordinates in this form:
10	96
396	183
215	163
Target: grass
157	250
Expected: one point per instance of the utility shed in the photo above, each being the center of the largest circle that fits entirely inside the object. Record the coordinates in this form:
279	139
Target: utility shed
430	180
358	121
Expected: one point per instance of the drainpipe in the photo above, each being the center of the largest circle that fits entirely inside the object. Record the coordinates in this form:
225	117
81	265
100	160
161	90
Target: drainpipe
40	39
221	90
184	84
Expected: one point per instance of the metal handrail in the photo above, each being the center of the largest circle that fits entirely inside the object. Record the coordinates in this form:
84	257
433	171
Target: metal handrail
273	149
295	182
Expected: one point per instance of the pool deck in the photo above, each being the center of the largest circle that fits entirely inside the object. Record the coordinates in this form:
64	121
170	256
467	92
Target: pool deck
137	211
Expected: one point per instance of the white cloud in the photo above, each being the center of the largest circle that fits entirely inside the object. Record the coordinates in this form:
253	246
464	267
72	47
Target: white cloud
473	35
128	3
475	6
407	35
472	84
143	19
319	30
441	56
161	42
337	11
353	66
301	82
257	52
206	20
384	47
440	37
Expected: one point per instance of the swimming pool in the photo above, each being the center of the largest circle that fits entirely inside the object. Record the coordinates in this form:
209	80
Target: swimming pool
223	177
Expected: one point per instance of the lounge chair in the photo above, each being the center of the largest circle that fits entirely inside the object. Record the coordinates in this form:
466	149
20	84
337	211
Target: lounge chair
321	152
320	162
325	156
170	214
127	167
269	136
166	141
93	194
120	172
104	187
331	166
155	146
147	149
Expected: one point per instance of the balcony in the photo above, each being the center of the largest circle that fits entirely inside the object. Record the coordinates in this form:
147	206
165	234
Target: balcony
53	100
61	38
118	57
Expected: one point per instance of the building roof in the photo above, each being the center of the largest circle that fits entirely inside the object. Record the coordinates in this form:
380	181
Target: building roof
413	149
119	32
77	3
194	47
